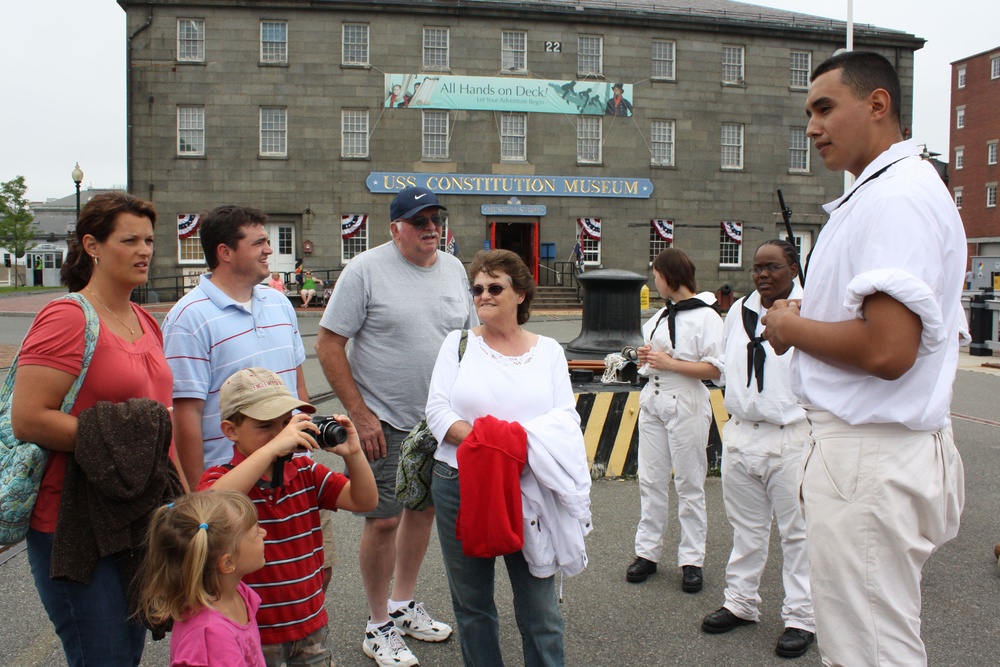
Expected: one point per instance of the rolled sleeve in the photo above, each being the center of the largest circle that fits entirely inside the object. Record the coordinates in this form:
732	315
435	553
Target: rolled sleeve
910	291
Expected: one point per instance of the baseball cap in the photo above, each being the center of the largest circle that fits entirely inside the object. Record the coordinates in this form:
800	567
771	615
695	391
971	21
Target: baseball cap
411	201
259	394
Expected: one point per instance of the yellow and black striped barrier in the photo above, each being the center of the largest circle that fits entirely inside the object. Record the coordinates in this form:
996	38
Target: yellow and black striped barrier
610	423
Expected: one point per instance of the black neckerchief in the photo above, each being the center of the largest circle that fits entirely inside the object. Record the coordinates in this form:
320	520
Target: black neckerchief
871	178
671	314
755	348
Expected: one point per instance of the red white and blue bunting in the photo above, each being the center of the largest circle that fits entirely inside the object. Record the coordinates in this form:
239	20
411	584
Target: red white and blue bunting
664	229
734	230
591	227
187	224
451	244
351	225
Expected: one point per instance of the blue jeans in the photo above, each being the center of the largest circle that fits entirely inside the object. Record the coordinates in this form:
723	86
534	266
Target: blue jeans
90	619
471	581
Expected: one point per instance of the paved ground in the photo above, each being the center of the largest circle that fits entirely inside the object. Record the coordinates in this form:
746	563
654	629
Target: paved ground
610	623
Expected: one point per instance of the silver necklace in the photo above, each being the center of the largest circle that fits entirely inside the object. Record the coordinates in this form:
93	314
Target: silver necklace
130	327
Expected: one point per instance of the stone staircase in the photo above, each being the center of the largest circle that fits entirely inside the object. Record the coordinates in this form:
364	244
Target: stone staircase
556	298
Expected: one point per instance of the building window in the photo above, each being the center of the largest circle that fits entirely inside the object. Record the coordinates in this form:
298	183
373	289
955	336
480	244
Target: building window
514	51
995	68
435	48
590	55
435	135
661	139
191	40
513	136
354	133
663	59
273	131
960	117
801	66
443	241
732	146
732	64
189	249
798	150
190	130
958	197
991	195
355	45
961	76
353	236
591	251
661	237
959	158
273	42
588	140
991	152
731	244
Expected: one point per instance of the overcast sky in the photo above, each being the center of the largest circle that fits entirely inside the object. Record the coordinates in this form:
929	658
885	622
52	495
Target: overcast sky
63	88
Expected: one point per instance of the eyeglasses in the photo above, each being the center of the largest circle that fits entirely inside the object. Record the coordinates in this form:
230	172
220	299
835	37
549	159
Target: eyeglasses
421	223
496	289
770	268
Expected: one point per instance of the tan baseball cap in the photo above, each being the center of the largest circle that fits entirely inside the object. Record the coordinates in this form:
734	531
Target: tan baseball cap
259	394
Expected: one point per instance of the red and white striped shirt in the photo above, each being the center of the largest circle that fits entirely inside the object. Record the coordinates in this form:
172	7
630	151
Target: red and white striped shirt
290	584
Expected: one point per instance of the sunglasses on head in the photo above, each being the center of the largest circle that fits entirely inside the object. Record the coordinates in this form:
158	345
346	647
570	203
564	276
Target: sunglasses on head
495	289
423	221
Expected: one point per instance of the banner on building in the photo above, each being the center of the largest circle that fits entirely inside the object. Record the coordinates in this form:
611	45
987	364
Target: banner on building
443	91
591	227
351	225
734	230
664	229
187	224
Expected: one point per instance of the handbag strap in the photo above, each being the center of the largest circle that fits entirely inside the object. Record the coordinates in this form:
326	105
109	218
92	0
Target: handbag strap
90	333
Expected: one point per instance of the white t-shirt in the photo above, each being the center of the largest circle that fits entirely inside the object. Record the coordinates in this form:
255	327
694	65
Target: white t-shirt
899	234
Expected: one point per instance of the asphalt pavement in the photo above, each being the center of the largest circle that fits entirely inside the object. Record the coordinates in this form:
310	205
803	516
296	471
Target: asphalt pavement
609	622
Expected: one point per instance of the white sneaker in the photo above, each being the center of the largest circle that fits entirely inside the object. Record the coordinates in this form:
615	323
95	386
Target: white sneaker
414	621
385	645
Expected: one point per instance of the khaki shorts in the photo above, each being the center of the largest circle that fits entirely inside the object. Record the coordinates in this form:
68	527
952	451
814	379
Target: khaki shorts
329	548
384	470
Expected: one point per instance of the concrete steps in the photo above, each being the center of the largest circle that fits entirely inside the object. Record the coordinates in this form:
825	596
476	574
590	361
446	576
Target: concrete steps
556	298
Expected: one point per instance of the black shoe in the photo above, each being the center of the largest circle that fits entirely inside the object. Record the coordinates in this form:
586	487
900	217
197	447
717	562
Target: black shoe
639	570
794	643
692	580
721	621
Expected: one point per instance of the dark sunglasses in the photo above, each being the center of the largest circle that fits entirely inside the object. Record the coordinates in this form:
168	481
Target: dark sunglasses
421	223
496	289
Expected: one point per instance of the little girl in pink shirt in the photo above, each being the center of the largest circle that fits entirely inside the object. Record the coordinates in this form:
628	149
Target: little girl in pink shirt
200	547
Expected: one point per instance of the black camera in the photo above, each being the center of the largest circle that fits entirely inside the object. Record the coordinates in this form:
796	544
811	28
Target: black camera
330	433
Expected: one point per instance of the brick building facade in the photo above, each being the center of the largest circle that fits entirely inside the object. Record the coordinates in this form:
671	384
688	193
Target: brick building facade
974	138
290	106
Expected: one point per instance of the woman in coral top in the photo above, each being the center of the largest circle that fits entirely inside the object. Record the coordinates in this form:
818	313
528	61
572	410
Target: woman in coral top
110	257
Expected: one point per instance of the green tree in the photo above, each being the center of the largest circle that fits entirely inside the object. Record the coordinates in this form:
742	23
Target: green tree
17	224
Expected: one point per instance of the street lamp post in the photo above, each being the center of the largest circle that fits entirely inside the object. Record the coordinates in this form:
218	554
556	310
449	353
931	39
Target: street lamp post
77	178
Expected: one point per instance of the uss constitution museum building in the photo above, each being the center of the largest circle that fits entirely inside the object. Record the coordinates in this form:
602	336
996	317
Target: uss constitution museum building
623	126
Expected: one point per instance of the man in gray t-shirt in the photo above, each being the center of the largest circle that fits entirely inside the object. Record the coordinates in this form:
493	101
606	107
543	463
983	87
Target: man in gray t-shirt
395	304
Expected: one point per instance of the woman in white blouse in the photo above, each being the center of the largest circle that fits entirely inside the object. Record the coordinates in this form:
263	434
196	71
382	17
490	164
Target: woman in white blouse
509	374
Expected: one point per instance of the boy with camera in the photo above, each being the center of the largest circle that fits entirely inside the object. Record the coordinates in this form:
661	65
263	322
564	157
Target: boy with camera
288	493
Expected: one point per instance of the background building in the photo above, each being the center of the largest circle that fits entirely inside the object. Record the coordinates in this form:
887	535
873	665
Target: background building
623	126
975	134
